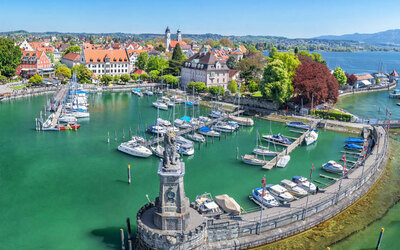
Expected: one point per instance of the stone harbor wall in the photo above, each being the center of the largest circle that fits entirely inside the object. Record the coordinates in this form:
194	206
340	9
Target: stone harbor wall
246	231
253	104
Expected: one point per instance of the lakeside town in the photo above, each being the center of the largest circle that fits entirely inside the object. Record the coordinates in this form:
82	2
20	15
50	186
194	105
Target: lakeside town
198	141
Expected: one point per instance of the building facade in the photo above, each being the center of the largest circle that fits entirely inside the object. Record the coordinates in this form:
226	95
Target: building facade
204	67
33	62
105	62
71	59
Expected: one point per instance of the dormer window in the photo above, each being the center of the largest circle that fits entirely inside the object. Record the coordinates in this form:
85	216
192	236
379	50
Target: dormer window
91	60
98	59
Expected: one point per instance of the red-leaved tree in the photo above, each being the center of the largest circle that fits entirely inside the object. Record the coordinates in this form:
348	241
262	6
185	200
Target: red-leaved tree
351	79
314	79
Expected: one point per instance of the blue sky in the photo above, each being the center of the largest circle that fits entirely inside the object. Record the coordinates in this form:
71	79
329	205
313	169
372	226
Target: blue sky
290	18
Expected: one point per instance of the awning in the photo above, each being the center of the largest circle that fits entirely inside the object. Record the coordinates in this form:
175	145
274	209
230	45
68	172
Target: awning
366	82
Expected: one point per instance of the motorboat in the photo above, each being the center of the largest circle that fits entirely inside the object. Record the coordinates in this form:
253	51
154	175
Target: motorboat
204	119
178	100
183	141
283	161
183	122
353	146
264	151
158	150
79	114
216	114
304	183
311	137
333	167
293	188
196	137
228	204
162	122
267	200
148	93
355	140
208	132
185	149
160	105
242	121
279	138
298	125
196	122
138	139
68	126
158	130
135	149
207	205
233	124
253	160
137	92
221	126
395	94
280	193
398	104
67	118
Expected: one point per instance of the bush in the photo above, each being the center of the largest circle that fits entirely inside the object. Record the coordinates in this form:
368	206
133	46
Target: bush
198	86
35	79
332	115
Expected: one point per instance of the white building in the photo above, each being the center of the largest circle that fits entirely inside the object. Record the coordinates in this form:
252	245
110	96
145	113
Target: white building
110	62
26	46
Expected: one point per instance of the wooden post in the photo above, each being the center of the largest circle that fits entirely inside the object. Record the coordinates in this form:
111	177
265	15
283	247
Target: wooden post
108	136
130	244
130	133
115	135
237	153
128	223
378	245
122	239
123	134
129	174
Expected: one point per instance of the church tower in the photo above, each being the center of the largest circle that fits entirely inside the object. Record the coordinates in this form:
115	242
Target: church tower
179	35
167	39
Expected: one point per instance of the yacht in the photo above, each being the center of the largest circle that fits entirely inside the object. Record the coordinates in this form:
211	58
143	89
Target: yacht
182	124
298	125
264	151
183	141
304	183
267	200
216	114
137	92
223	127
158	130
208	132
243	121
333	167
395	94
311	137
67	118
196	137
79	114
135	149
233	124
293	188
160	105
283	161
280	193
163	122
185	149
253	160
148	93
204	119
279	138
207	205
158	150
353	146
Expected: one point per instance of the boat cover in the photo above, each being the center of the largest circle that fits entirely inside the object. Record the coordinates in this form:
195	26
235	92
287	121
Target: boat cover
354	140
137	90
186	118
228	204
205	129
353	146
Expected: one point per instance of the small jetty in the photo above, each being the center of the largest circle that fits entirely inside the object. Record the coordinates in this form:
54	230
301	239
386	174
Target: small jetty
289	148
194	128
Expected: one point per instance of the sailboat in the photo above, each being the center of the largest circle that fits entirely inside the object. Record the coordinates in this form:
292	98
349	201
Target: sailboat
253	160
261	150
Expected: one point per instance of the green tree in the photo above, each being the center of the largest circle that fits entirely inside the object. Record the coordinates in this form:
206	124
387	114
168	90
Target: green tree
36	79
144	77
116	79
156	63
83	73
232	86
276	83
272	52
2	79
226	42
10	57
289	60
210	42
75	49
63	73
142	60
231	62
216	90
135	77
177	54
106	79
296	50
170	79
340	75
59	64
154	74
125	78
160	48
198	86
253	86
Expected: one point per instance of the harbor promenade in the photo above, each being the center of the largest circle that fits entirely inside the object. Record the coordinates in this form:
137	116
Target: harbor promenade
253	229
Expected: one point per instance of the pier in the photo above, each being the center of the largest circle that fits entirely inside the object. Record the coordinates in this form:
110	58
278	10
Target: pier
289	148
58	99
194	128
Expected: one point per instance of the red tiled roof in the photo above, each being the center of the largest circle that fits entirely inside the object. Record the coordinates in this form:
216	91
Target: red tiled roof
32	53
98	55
138	51
364	77
233	72
139	72
394	73
174	43
72	56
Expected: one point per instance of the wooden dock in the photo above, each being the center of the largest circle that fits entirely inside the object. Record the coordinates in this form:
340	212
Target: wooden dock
289	148
194	128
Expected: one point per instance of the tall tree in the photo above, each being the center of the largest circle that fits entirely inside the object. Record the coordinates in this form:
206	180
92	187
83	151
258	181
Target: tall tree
340	75
351	79
75	49
210	42
276	83
142	60
226	42
232	86
272	52
231	62
10	57
83	73
177	54
63	73
106	79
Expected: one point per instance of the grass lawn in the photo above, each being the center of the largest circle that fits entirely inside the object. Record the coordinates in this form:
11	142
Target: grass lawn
257	94
18	87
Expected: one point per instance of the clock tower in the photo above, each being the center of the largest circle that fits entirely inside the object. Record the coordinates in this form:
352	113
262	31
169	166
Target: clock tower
172	205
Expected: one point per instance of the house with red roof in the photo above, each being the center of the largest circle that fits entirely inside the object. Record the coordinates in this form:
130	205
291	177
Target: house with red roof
71	59
42	46
101	62
364	80
33	62
139	72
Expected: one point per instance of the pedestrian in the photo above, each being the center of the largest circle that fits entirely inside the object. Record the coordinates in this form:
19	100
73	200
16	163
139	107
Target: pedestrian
316	190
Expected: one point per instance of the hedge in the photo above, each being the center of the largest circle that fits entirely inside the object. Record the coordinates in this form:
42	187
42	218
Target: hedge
332	115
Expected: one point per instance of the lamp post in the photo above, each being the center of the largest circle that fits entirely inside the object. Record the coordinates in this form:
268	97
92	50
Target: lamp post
308	193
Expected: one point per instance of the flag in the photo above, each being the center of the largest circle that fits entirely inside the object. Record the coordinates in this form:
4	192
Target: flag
264	183
344	162
312	167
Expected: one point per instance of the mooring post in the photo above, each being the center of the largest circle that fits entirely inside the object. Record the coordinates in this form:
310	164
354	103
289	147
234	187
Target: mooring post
128	224
129	173
206	140
237	153
213	140
130	244
108	136
199	145
122	239
130	133
123	133
115	135
380	238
